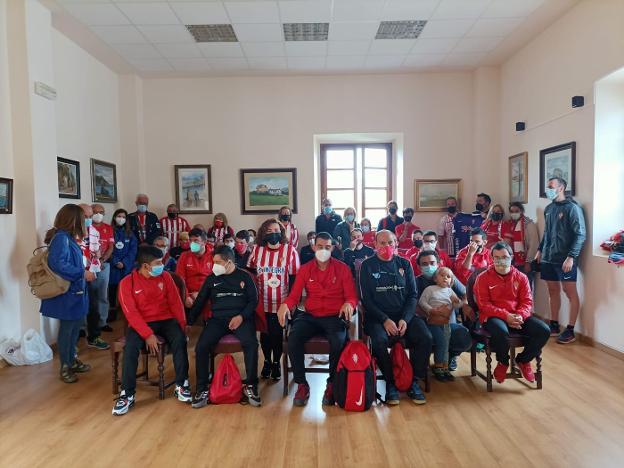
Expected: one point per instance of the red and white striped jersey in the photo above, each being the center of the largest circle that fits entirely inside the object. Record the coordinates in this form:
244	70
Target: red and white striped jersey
221	232
272	269
292	235
172	229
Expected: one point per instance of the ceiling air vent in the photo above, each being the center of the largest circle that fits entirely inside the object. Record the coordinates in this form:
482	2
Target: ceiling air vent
212	32
306	31
400	29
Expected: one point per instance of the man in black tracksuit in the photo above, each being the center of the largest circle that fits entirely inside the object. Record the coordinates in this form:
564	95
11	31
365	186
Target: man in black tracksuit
389	296
233	299
144	224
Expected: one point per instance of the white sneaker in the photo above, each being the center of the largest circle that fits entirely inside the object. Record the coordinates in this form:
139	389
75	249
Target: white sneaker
123	404
183	392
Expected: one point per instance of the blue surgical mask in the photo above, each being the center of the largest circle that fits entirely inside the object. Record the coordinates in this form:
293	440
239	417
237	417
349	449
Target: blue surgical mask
195	247
157	270
141	208
327	210
349	218
551	193
429	270
88	222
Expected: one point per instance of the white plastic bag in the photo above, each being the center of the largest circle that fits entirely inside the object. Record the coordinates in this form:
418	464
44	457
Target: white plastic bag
34	349
10	351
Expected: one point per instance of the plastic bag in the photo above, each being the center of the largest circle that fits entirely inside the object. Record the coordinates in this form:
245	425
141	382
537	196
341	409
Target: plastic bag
34	349
10	351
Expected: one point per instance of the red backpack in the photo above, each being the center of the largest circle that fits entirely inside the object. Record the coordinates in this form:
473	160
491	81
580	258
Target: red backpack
226	386
401	367
355	386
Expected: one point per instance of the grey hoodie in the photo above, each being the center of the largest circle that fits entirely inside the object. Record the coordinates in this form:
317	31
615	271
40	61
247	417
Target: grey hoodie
564	232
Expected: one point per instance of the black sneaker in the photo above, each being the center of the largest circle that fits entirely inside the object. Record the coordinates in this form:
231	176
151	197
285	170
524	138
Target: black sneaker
79	366
98	343
200	399
555	329
416	394
448	376
183	392
567	336
123	404
251	393
452	364
276	372
439	373
265	373
67	374
392	395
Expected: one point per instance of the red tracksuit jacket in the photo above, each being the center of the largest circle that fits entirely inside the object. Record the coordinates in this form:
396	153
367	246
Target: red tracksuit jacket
145	300
326	290
479	260
194	270
501	295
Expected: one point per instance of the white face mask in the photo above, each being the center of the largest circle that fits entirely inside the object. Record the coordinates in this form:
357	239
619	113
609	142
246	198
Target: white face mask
429	245
251	239
515	216
311	242
230	245
322	255
120	220
98	218
218	269
164	250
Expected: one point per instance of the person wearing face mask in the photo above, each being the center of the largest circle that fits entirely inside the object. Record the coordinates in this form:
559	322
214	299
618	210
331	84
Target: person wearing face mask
252	237
472	257
292	233
195	266
404	231
162	243
328	219
525	240
464	223
496	227
144	223
558	254
274	262
241	248
123	256
417	243
184	245
446	229
342	232
368	235
482	205
460	339
233	298
306	254
173	225
357	252
330	302
391	221
229	241
389	296
151	302
220	228
430	242
98	289
505	303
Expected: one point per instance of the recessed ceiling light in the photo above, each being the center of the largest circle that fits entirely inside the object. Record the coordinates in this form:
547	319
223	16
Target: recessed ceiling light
400	29
306	31
212	32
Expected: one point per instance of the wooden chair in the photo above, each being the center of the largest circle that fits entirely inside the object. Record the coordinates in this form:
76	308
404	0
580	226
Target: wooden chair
482	336
227	344
163	348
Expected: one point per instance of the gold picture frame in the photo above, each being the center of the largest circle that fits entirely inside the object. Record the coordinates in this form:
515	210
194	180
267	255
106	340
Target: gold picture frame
431	194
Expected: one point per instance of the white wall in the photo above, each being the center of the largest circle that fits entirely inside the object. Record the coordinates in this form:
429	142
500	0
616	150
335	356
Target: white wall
235	123
537	85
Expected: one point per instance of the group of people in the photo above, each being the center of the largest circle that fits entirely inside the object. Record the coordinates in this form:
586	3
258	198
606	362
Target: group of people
407	282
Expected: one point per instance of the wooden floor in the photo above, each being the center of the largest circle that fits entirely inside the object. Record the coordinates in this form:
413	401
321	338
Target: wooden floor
576	420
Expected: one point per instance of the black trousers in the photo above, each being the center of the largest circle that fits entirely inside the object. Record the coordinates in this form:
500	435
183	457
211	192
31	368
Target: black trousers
272	341
417	337
306	326
215	329
93	318
170	330
535	332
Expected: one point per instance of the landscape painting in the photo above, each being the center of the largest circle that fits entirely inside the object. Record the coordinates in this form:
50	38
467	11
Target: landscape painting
103	181
193	189
68	175
431	194
6	196
266	190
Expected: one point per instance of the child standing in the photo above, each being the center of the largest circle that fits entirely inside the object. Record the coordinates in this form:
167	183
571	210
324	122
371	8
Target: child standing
438	302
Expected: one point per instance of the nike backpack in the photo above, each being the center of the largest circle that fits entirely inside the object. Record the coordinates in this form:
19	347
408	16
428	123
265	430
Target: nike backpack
227	386
354	384
401	367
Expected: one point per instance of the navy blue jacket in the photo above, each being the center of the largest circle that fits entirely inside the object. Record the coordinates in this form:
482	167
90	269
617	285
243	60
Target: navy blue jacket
66	260
153	229
125	251
325	224
342	234
389	224
564	232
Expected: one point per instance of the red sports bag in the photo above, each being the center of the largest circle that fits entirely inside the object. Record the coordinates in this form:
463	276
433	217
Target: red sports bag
226	386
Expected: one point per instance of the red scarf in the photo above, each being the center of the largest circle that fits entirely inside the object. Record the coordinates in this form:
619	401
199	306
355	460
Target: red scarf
518	240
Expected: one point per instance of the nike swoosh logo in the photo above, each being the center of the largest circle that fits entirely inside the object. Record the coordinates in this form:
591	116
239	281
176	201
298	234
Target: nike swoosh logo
492	287
217	284
138	292
567	277
361	400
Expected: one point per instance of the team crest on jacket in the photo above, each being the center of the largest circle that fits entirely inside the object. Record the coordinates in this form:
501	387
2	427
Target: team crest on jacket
119	245
560	215
376	275
161	285
516	285
242	285
401	271
355	358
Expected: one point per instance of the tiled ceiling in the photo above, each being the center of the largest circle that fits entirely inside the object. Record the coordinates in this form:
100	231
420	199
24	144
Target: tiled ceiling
355	36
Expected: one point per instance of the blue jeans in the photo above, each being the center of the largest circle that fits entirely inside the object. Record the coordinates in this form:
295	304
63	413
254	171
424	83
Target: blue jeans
67	340
98	294
441	335
459	341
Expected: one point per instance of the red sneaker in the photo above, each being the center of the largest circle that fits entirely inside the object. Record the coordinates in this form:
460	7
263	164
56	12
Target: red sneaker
302	395
526	370
328	396
500	372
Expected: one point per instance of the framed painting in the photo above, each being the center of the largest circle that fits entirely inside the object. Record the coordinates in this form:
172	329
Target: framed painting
264	191
103	181
68	175
6	196
431	194
518	178
558	161
193	186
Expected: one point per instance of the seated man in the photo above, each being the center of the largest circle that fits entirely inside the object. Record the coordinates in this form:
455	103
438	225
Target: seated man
306	254
329	305
151	303
504	298
162	243
417	243
473	256
357	251
428	263
233	296
195	265
241	248
430	242
389	297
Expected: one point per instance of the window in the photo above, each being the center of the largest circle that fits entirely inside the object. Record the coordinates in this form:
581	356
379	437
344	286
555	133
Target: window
359	176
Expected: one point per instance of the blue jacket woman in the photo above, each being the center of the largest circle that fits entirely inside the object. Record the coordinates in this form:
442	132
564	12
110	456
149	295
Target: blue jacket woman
125	252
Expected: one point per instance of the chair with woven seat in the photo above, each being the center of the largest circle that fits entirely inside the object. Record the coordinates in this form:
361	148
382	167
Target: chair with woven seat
118	346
